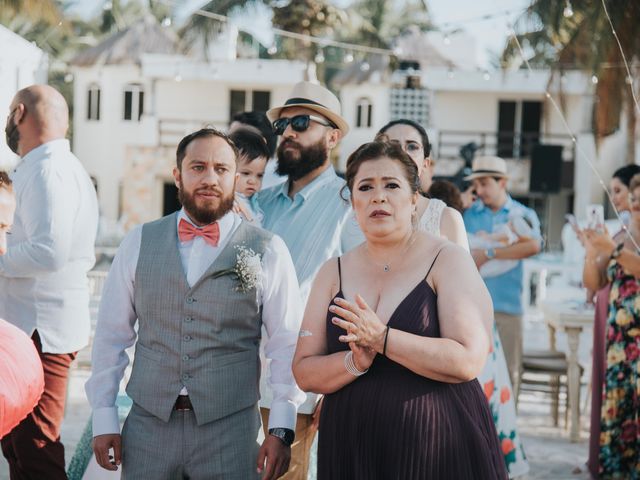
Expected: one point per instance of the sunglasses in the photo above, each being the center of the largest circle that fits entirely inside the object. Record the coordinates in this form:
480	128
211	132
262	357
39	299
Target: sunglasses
299	123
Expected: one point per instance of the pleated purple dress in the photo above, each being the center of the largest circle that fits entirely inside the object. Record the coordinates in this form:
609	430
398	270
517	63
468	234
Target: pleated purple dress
394	424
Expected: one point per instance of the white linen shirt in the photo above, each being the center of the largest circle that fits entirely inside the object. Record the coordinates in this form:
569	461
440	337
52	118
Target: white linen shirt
281	316
43	276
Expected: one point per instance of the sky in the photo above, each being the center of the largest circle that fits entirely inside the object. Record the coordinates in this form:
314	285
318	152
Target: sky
490	34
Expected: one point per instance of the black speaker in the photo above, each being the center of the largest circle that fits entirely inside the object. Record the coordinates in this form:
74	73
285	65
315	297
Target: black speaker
546	169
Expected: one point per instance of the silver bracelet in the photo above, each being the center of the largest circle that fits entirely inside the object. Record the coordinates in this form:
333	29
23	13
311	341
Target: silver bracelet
350	365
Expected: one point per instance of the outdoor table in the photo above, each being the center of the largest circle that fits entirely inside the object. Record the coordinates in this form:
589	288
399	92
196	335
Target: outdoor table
571	317
544	265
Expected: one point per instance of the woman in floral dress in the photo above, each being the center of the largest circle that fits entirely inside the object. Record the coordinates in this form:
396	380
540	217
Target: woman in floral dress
620	415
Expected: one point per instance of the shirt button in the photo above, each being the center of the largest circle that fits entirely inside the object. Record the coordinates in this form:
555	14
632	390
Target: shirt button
185	357
188	319
190	299
187	338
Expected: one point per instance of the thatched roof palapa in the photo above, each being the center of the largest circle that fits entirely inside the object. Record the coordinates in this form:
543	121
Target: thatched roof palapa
127	46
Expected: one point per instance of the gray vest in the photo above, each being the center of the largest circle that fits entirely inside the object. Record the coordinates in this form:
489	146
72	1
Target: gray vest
204	337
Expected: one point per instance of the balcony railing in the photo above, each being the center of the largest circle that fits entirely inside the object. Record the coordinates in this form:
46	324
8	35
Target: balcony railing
508	145
171	131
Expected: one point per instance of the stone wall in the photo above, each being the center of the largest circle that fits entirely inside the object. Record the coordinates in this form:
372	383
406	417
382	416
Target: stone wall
146	171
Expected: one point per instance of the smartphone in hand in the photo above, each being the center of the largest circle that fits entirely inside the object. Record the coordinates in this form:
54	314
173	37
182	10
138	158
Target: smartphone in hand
595	217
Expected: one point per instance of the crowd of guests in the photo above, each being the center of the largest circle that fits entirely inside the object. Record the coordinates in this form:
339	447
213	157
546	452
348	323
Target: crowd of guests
385	308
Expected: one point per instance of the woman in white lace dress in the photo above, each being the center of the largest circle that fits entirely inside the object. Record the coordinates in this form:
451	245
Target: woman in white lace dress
415	142
435	217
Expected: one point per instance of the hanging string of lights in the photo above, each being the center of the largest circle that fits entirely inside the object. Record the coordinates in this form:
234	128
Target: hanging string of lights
629	77
579	148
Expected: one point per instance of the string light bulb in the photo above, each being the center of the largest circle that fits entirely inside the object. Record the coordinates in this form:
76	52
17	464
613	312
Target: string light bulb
594	79
568	11
319	58
273	49
166	22
365	67
348	58
486	75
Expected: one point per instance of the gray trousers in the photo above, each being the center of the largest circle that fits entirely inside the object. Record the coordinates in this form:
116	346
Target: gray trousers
226	449
510	330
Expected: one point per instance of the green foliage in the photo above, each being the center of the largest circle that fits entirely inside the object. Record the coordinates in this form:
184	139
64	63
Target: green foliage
583	40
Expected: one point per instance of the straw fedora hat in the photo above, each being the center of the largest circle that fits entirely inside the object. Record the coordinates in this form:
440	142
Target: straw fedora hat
488	167
313	97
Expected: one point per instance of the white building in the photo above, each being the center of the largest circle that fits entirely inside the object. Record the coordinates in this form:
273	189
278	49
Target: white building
504	113
22	64
136	97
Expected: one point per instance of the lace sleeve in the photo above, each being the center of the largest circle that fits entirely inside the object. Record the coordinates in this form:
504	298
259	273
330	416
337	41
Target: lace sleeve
430	220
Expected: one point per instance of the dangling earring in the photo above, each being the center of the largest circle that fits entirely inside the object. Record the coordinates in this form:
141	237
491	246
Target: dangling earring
414	218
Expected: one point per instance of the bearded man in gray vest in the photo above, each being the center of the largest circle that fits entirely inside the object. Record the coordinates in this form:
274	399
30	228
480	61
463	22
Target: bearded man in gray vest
200	284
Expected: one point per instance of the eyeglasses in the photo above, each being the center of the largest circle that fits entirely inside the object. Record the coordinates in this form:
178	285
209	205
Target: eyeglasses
299	123
409	147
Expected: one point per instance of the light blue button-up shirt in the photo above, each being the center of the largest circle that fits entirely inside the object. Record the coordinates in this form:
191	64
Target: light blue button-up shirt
505	289
311	224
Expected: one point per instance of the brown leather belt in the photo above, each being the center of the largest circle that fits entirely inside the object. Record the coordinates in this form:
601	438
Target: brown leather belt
183	403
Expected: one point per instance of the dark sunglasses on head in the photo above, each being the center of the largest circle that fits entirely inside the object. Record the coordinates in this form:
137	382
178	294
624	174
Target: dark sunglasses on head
299	123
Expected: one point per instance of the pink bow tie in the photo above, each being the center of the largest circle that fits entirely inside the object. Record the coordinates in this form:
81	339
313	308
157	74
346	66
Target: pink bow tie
210	233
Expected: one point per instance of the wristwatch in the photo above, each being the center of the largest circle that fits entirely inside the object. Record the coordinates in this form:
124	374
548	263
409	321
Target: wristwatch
490	253
285	434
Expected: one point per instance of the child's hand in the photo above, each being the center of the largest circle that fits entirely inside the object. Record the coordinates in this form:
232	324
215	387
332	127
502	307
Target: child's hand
242	210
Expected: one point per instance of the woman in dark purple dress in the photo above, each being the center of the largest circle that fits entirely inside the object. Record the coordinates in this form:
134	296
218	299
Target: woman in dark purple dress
394	334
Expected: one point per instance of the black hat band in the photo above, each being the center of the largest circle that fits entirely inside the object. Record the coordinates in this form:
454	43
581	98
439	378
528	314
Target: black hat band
302	100
488	172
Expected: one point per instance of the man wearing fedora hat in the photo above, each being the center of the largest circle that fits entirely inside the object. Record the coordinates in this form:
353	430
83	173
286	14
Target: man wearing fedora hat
307	211
493	209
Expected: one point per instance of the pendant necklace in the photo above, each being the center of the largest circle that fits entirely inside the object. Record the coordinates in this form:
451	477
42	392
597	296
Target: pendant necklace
386	267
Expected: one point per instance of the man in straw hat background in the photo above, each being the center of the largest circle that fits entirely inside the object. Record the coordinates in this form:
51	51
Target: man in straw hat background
492	210
307	211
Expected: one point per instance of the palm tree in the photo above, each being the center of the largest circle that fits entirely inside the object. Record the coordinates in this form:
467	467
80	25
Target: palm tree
201	28
560	35
45	11
376	23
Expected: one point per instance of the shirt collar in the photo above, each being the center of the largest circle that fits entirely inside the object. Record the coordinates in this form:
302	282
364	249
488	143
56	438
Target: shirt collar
46	149
308	190
225	224
478	206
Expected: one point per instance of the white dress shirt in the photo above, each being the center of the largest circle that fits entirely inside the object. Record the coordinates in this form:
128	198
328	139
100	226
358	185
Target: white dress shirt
43	276
281	316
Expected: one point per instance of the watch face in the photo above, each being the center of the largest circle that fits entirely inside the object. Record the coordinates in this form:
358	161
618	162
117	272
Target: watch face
287	436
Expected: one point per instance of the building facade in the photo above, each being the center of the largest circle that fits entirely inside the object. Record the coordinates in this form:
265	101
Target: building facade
22	64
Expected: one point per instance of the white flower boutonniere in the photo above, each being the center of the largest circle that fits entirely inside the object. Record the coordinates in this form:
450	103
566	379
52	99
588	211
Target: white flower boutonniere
248	268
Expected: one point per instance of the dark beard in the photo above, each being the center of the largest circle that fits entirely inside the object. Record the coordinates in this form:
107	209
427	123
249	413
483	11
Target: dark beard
297	164
203	215
12	136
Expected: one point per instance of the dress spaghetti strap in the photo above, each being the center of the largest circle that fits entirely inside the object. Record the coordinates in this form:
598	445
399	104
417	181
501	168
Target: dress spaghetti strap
339	276
428	271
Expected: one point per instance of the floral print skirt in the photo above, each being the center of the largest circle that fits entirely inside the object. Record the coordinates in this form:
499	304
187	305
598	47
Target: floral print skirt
497	388
620	414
